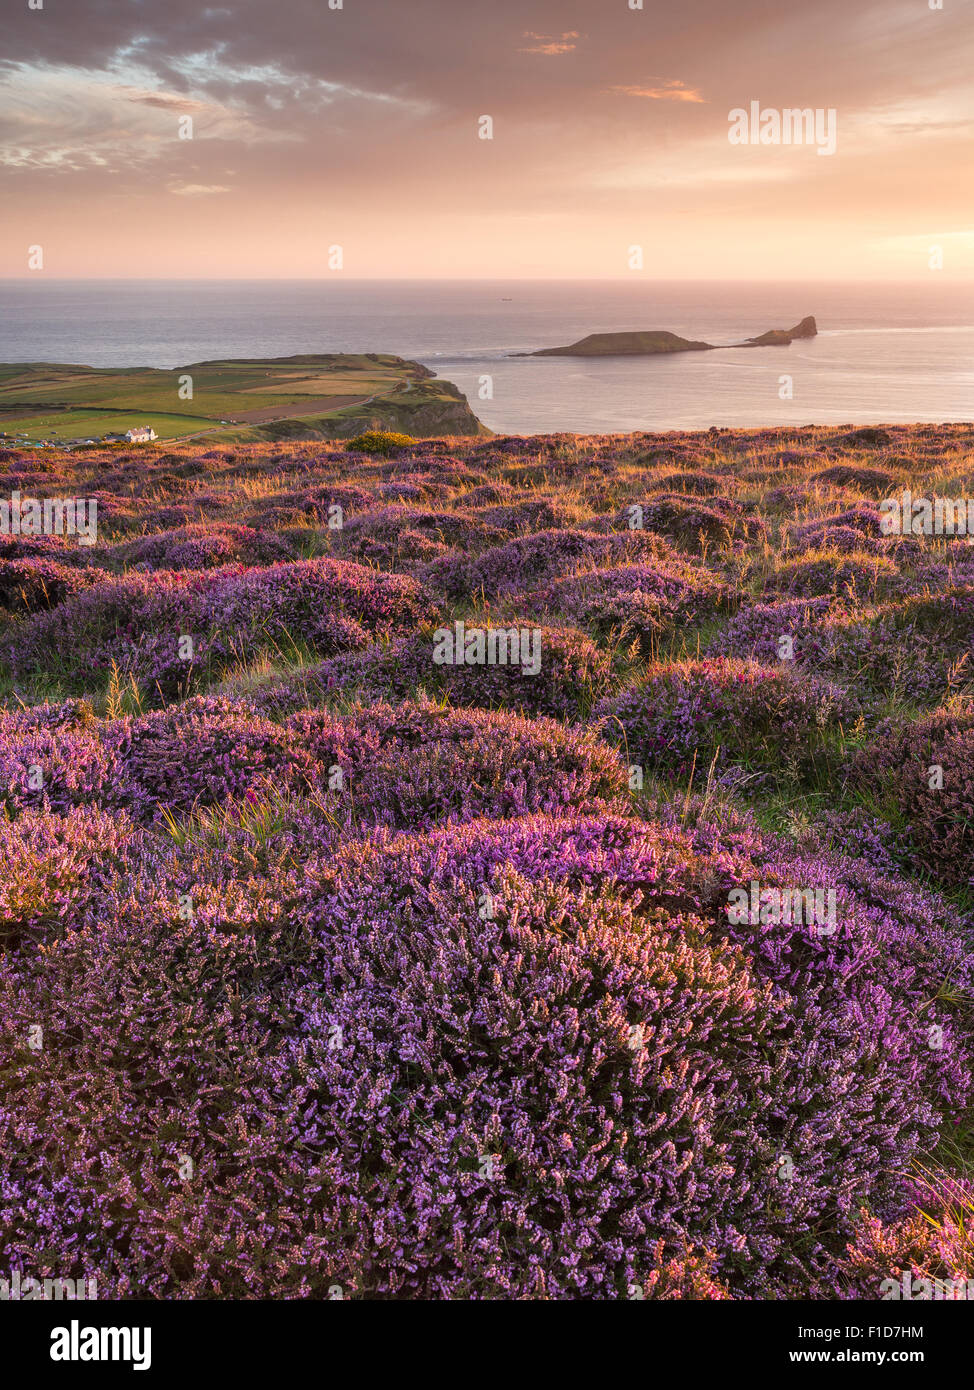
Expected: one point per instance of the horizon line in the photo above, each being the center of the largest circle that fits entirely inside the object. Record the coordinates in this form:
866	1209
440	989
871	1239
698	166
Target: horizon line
44	278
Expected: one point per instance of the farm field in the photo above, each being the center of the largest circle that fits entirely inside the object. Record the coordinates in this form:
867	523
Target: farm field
41	400
73	424
518	867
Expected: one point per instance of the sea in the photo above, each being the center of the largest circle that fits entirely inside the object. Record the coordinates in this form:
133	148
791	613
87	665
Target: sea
885	353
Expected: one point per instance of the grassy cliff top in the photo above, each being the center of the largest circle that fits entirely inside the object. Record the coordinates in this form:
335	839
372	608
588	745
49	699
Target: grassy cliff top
239	399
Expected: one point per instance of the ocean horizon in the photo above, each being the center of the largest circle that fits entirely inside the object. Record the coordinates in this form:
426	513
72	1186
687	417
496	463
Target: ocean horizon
885	352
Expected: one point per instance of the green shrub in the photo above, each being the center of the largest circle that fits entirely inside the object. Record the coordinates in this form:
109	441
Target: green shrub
380	442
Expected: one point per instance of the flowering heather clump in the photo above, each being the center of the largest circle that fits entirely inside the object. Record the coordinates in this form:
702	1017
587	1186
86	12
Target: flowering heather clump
574	673
840	538
756	631
874	482
861	519
418	764
326	963
697	526
931	1245
522	518
388	523
60	548
137	622
584	908
199	547
200	753
858	835
57	872
320	500
926	771
530	560
644	598
56	767
32	586
679	714
820	572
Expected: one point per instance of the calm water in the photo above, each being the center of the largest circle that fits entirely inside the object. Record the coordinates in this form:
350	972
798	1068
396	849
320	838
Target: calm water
884	352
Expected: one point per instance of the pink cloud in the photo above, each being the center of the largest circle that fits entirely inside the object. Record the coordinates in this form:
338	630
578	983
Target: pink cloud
551	44
670	91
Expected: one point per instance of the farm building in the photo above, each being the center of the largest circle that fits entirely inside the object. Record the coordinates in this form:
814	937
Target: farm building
141	434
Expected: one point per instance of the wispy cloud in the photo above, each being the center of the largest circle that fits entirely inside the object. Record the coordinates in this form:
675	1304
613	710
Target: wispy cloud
670	91
551	45
193	190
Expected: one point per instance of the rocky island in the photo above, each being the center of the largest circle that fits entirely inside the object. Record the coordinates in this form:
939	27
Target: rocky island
648	344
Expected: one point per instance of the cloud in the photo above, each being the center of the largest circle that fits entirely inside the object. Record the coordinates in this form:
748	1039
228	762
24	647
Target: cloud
194	189
314	110
550	44
670	91
167	101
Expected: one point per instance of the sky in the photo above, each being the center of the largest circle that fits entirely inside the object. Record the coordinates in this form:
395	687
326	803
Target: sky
289	139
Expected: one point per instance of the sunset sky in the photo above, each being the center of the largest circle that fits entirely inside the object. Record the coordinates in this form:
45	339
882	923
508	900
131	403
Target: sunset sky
359	127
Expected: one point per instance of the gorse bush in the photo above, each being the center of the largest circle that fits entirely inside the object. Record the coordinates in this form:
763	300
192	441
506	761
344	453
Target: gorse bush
381	442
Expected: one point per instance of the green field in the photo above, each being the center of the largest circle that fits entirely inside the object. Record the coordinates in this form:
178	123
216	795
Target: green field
64	426
247	399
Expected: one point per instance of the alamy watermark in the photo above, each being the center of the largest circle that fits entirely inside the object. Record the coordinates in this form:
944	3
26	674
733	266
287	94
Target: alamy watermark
54	516
17	1288
925	1290
77	1343
792	125
492	646
907	515
793	907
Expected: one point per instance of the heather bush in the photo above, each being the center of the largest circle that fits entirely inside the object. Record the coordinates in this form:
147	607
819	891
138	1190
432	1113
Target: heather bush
698	527
931	1245
418	764
58	872
873	482
35	585
137	622
924	772
680	714
818	572
596	910
574	673
201	546
56	768
757	629
201	752
645	599
530	560
325	964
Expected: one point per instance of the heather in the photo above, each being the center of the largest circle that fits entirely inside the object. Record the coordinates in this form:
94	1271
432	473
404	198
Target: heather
643	599
924	773
717	711
330	962
574	672
138	623
34	585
